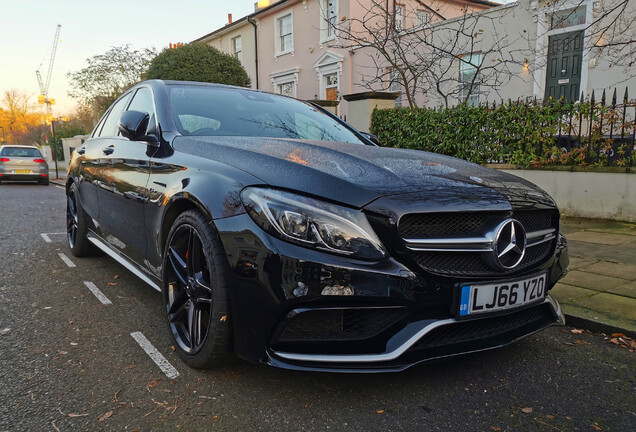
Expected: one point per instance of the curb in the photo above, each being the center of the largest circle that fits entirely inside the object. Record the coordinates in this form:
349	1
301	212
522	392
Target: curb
59	182
595	326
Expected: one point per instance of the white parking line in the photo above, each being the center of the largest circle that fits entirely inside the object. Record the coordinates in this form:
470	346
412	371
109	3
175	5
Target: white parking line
100	295
46	237
67	261
155	355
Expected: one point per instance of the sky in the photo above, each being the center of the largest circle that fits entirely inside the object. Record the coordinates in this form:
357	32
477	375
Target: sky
89	28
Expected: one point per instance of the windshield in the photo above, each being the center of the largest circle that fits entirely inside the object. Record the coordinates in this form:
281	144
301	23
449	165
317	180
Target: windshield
20	152
217	111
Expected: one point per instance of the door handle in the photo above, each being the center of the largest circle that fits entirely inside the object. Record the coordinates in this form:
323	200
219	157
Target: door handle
81	151
108	150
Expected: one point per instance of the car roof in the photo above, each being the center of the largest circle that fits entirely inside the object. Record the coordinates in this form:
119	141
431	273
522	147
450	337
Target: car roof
18	146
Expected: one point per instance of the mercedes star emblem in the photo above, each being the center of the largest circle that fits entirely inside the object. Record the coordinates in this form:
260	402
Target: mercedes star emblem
509	246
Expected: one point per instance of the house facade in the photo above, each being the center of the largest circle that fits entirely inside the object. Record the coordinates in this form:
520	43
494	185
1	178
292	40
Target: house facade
294	47
540	49
237	38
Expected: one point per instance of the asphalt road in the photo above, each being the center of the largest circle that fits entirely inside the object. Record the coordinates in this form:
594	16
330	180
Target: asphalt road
69	362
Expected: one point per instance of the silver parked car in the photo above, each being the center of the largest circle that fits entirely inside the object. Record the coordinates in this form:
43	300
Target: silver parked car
18	162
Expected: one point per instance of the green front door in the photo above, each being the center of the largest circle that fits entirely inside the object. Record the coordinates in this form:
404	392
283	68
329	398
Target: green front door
565	55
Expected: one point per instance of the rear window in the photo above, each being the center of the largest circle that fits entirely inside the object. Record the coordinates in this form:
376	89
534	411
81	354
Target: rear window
20	152
218	111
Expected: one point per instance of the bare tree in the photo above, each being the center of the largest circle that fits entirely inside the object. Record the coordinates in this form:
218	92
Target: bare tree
446	59
449	62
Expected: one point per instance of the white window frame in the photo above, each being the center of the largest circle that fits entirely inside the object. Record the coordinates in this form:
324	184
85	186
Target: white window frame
277	35
421	18
238	54
473	99
325	28
399	19
279	79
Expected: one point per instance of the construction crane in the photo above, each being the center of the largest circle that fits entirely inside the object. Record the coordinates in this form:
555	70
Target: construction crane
44	87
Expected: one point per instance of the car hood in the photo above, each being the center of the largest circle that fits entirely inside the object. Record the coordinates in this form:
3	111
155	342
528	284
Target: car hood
357	174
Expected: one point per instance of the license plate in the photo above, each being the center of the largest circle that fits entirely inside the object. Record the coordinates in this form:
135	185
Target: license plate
22	171
491	297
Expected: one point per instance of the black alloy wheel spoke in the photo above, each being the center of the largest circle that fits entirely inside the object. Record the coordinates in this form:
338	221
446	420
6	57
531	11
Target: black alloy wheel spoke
189	296
179	266
178	305
194	325
190	254
71	219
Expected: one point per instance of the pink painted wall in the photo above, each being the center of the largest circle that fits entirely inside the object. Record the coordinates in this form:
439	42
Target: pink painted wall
307	46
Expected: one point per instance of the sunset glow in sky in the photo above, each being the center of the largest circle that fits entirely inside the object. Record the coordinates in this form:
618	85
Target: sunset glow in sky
89	28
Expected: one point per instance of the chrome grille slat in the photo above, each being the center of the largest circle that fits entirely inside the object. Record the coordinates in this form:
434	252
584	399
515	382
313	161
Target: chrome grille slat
460	253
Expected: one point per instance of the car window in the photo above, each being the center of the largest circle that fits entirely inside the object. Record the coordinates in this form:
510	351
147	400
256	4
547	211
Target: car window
218	111
110	124
99	126
20	152
142	101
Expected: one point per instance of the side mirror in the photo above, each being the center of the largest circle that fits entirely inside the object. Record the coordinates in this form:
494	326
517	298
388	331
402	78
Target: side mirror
374	139
134	124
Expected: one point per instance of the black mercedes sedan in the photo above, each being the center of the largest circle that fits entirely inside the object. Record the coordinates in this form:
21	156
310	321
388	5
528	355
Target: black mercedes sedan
277	232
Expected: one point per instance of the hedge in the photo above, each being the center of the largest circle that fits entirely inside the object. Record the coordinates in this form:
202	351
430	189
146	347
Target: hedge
527	134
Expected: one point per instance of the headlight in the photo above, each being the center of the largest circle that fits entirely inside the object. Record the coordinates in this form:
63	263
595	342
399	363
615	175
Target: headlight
312	223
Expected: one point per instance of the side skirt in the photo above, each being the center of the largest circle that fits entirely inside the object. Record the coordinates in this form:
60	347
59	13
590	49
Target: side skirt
121	260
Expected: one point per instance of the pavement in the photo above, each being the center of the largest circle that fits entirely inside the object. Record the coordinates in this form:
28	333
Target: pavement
599	292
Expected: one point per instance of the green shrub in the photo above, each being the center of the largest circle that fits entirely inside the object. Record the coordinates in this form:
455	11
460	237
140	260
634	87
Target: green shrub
516	133
198	62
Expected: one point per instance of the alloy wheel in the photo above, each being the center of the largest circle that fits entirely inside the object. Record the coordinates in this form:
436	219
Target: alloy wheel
71	219
189	291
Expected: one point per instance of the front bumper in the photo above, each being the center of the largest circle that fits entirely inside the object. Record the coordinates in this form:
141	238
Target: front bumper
388	315
431	339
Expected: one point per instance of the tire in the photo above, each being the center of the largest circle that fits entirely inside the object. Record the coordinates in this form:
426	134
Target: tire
76	229
195	290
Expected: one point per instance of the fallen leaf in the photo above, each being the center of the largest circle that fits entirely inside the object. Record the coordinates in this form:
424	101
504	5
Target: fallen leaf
62	352
173	348
152	384
495	428
577	331
549	417
526	410
223	318
105	416
72	415
597	427
112	284
74	343
215	417
116	276
617	335
380	411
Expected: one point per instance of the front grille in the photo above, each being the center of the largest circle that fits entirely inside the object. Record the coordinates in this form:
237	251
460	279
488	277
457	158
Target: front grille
472	264
432	225
340	324
467	264
436	225
486	328
536	220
